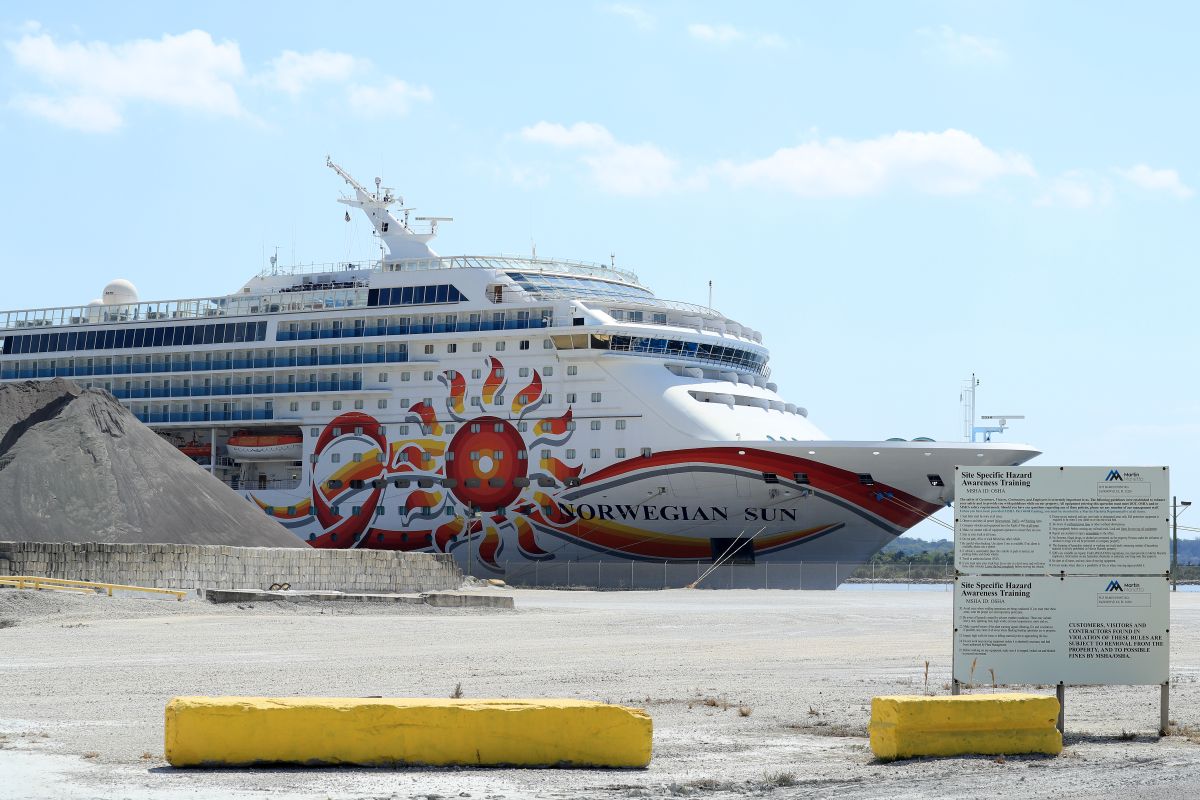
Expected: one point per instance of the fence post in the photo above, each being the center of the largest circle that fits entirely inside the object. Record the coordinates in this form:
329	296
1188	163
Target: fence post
536	585
631	573
568	574
664	580
766	574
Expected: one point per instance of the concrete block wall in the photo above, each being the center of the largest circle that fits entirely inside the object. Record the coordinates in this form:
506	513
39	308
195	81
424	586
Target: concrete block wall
189	566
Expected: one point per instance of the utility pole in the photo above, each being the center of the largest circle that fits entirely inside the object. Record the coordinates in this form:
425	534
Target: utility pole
1176	504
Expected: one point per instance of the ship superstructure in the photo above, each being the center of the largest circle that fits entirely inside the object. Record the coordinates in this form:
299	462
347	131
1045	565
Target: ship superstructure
505	409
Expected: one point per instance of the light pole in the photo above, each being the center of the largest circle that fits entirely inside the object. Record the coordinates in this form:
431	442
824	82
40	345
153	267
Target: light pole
1176	505
477	515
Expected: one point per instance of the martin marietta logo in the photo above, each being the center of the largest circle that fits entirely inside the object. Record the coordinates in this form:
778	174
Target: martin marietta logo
1114	475
1114	585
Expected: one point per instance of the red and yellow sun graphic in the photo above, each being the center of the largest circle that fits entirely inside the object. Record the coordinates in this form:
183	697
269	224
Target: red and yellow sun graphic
481	485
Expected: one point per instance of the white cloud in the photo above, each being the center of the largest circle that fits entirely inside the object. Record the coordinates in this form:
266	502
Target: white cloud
633	169
89	86
948	163
90	83
88	114
581	134
294	72
1162	180
393	98
1076	189
639	17
616	167
719	34
727	35
961	48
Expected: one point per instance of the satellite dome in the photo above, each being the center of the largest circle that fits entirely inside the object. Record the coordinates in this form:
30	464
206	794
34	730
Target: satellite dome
119	292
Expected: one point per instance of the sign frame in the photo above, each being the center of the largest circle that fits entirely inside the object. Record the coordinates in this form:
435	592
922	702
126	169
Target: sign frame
1042	561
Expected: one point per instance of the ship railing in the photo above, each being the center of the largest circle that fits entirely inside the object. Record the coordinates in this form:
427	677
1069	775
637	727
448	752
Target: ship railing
501	262
593	573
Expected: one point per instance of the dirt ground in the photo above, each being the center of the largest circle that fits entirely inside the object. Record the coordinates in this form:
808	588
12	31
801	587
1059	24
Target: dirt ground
753	693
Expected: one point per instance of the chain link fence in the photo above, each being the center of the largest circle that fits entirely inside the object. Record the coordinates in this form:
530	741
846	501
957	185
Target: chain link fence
676	575
766	575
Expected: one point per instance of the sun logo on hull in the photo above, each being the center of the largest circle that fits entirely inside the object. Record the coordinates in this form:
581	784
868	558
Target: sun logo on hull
476	488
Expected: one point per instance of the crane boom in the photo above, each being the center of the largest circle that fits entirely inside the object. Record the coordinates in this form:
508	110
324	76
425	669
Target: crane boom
358	187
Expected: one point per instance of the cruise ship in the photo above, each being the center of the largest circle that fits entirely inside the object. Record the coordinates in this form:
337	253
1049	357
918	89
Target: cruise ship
511	411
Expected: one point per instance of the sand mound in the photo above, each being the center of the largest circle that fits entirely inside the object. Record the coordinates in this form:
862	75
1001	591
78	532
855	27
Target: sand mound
76	466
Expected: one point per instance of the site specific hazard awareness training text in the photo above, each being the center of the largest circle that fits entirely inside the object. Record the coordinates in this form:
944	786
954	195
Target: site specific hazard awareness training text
1077	520
1077	630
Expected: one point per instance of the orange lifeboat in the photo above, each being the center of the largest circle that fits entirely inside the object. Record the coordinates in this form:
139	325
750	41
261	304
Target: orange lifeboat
194	449
247	446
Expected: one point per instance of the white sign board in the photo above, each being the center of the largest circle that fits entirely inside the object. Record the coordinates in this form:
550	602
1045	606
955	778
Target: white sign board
1076	520
1094	630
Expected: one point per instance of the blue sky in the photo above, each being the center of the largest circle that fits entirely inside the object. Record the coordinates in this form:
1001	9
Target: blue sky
896	195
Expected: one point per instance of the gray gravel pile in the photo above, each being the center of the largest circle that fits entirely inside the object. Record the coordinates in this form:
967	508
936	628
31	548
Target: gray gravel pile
76	466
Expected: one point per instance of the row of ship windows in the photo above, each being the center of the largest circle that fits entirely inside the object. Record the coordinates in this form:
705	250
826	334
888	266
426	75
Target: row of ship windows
141	336
585	287
629	315
474	455
184	362
476	402
290	383
676	348
443	323
522	426
236	332
415	295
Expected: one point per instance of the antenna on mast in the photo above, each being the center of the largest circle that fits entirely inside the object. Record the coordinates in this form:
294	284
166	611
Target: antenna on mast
710	294
433	222
971	431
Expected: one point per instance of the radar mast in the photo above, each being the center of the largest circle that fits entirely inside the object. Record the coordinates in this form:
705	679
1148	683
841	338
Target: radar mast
399	241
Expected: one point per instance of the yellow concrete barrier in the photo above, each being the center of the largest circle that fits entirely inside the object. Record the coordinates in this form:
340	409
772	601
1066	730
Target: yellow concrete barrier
227	731
986	724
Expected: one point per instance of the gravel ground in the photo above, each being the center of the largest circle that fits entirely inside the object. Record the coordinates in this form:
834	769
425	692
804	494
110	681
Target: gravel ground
753	693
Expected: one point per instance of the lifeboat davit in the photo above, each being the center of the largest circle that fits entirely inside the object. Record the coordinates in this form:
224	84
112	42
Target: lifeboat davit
246	446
